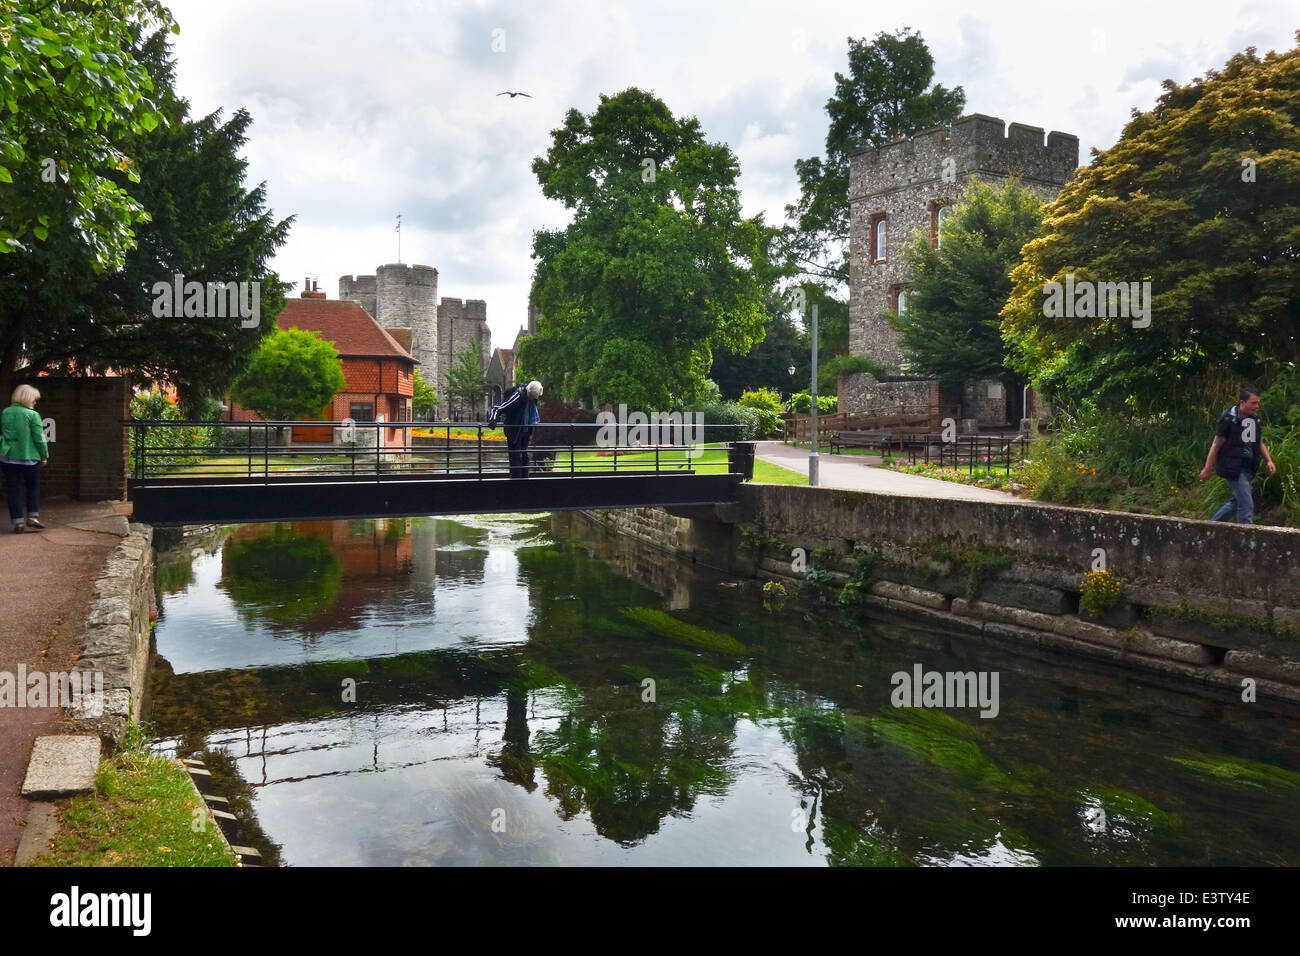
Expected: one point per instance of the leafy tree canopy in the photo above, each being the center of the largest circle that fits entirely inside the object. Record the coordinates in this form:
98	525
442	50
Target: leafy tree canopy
657	267
423	397
467	379
292	376
1200	197
951	327
886	94
70	90
66	315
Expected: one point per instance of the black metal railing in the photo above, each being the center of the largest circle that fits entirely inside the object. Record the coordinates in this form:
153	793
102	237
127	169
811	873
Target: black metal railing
171	451
972	453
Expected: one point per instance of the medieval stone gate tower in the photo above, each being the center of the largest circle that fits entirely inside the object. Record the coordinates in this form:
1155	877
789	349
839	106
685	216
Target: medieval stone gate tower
402	296
903	186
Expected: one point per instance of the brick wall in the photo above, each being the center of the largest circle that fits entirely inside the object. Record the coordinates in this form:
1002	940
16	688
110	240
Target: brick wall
88	458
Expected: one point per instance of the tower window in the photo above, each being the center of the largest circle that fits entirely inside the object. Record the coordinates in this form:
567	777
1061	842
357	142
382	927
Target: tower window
877	244
899	294
941	215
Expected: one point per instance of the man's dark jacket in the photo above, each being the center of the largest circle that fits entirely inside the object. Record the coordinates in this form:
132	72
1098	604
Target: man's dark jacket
1236	454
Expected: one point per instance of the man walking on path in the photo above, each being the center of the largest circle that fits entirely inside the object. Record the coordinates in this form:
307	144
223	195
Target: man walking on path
1235	456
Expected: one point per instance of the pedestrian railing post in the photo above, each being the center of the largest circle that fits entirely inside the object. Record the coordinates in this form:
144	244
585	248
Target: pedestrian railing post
480	450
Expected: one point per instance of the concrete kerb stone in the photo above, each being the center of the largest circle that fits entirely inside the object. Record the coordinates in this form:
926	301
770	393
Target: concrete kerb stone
61	766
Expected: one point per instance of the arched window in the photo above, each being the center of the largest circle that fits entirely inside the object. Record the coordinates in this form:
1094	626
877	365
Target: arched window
940	217
882	239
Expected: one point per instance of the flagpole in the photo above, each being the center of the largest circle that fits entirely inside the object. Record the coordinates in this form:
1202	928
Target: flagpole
398	230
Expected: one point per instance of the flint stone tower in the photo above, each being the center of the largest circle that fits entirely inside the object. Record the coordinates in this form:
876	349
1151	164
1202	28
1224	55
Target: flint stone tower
902	186
399	296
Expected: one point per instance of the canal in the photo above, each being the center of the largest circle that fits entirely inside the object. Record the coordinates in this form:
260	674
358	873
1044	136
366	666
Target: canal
533	690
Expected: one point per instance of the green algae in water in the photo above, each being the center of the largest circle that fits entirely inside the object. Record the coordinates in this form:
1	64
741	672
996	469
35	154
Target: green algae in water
535	676
1132	809
668	626
946	743
848	846
1241	774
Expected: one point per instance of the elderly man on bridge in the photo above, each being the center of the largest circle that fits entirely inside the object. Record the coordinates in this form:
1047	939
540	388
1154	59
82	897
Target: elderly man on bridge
518	414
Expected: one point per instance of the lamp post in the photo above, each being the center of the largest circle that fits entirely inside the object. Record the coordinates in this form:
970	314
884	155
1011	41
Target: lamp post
790	369
812	391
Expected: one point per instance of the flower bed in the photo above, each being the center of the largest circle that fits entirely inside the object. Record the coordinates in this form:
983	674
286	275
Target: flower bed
932	469
457	433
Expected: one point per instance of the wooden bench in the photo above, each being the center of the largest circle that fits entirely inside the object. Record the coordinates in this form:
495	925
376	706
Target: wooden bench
859	439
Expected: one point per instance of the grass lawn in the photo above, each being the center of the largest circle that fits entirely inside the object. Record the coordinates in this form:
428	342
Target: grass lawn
139	814
712	461
771	474
232	464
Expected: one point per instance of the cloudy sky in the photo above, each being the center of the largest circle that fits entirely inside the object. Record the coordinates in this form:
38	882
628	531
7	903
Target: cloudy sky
366	108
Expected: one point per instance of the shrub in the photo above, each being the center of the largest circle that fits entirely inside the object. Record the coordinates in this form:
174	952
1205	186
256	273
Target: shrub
767	404
729	413
801	403
828	374
1100	592
167	445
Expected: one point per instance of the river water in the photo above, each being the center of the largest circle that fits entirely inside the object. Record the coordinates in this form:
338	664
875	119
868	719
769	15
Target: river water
533	690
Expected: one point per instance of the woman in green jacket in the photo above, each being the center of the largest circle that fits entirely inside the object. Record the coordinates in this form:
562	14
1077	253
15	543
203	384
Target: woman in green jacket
22	454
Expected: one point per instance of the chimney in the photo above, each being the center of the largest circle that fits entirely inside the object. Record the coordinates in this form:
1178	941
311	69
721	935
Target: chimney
309	290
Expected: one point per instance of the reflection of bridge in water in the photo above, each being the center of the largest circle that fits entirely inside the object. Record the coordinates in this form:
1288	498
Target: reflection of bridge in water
247	472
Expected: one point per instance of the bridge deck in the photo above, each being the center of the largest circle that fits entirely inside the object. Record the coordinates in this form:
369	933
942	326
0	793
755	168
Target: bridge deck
225	475
234	500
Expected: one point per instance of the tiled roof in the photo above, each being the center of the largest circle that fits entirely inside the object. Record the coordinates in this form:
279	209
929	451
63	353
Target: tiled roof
346	324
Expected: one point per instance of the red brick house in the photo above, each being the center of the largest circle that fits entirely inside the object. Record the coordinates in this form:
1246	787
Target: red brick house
378	369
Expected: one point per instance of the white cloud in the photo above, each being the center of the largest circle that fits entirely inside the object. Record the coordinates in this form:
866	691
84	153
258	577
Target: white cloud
362	110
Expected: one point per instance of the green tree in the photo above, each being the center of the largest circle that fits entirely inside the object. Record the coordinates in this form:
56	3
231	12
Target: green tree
657	267
1201	198
423	398
467	379
205	224
886	94
951	327
766	363
70	89
292	376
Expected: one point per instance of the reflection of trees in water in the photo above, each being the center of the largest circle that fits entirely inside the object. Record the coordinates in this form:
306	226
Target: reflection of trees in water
174	565
626	761
280	578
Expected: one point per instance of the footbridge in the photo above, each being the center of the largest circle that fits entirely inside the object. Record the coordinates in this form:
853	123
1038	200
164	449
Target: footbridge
189	472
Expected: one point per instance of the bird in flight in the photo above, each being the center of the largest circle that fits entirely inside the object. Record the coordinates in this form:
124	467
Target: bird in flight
513	95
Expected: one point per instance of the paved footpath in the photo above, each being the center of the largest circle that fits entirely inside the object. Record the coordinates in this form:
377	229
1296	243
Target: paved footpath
856	472
46	585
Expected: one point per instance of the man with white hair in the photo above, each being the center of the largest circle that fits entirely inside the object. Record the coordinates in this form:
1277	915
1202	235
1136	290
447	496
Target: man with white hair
518	414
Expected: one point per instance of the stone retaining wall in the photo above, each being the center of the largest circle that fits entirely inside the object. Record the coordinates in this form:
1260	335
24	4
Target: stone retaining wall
1210	601
117	636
